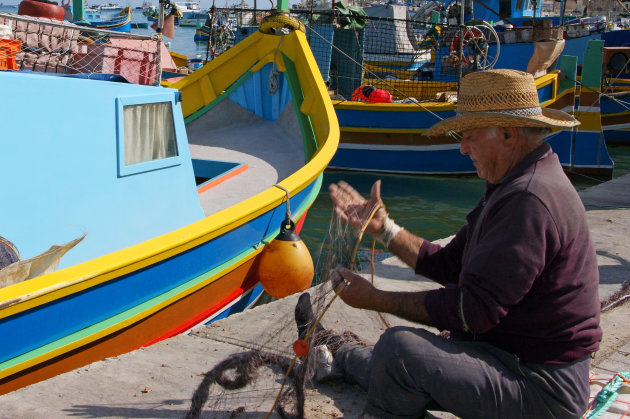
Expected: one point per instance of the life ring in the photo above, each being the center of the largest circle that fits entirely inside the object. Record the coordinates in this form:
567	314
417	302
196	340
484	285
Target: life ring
270	23
469	34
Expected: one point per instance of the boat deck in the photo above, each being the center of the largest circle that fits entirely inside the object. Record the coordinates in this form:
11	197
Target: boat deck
272	150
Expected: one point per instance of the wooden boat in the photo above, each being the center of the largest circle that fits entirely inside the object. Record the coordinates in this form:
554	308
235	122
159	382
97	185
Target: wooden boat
171	239
615	113
192	19
387	137
120	23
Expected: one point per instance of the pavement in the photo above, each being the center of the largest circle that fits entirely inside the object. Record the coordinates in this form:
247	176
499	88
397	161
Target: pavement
159	381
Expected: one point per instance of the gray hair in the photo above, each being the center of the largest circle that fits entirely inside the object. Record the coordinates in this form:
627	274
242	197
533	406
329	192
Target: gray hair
535	134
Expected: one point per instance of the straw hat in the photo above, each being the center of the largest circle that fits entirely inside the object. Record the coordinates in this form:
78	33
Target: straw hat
500	98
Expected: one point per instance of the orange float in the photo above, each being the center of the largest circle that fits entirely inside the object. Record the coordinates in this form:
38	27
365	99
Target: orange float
285	266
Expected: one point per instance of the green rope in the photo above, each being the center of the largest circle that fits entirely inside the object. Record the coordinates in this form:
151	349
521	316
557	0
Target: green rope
607	395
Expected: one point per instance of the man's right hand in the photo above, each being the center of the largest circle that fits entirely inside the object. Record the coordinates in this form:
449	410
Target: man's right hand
357	291
353	209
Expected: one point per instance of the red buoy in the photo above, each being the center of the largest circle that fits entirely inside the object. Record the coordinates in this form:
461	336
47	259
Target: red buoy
380	96
362	93
300	347
42	8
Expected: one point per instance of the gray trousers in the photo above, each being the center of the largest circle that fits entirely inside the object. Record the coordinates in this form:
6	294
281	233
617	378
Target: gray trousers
410	370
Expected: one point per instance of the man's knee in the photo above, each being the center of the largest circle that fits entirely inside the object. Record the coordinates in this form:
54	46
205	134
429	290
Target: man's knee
402	339
400	343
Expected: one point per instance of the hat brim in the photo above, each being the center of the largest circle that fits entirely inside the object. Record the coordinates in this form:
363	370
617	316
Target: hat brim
550	118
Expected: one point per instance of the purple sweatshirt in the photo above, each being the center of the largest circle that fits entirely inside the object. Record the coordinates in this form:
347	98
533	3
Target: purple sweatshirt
522	273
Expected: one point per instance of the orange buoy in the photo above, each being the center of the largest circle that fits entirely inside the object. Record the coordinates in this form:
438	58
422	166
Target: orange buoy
300	347
285	266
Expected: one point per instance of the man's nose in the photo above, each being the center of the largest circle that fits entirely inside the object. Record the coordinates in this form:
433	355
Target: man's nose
464	146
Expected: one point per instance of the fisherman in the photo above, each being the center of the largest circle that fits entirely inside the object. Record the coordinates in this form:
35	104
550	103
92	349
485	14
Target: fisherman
519	294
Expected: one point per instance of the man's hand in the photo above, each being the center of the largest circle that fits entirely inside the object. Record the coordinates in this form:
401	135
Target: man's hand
353	209
358	291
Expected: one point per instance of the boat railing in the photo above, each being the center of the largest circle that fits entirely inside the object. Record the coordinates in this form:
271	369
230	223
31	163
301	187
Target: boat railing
51	46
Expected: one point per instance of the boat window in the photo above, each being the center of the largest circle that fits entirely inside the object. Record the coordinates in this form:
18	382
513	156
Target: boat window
149	132
146	135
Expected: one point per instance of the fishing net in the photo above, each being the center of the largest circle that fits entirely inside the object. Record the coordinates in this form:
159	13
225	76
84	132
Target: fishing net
269	376
50	46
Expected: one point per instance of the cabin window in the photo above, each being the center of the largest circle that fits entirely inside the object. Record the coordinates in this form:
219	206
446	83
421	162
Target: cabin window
146	135
149	132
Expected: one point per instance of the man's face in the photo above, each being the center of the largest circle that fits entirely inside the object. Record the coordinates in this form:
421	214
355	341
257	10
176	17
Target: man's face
486	149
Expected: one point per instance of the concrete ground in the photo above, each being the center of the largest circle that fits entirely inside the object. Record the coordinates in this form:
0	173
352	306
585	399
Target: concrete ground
158	381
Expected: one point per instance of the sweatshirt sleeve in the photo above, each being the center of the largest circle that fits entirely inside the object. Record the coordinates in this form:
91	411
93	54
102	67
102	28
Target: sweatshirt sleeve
442	264
516	239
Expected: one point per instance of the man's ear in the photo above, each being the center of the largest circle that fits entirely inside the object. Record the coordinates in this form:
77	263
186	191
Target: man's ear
509	133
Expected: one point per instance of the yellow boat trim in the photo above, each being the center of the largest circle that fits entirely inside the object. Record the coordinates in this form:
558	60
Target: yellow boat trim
617	114
547	79
394	107
589	121
180	60
228	66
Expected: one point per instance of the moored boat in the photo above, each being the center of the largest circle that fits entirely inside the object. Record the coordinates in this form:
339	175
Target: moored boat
120	23
176	200
615	93
386	133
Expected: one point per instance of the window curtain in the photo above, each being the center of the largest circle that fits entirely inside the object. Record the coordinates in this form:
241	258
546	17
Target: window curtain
149	132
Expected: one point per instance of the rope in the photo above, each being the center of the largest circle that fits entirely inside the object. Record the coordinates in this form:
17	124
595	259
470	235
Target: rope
288	210
606	396
273	77
10	246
